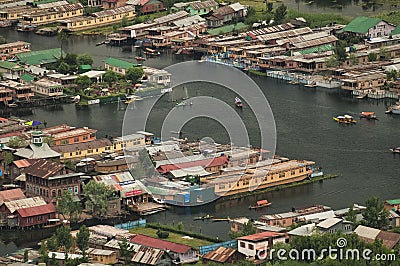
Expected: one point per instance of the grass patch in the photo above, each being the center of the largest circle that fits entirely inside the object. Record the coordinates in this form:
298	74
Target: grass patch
318	20
173	237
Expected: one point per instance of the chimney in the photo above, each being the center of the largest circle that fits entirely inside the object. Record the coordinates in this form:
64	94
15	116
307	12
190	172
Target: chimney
37	138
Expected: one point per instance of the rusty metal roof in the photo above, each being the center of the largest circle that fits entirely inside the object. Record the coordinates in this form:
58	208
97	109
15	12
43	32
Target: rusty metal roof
147	255
221	254
44	168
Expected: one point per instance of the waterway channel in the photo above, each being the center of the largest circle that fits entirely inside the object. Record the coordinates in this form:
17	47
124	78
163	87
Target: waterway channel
305	130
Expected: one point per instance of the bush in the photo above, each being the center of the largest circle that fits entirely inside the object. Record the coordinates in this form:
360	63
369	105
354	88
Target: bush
162	234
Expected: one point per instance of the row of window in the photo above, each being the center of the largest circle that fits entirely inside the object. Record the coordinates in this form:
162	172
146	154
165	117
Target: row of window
55	16
249	246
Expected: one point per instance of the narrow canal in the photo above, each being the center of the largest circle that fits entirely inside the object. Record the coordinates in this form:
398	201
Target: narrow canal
305	130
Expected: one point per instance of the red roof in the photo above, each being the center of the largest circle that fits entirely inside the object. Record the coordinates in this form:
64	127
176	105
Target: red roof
260	236
204	163
11	134
160	244
22	163
143	2
2	119
38	210
11	194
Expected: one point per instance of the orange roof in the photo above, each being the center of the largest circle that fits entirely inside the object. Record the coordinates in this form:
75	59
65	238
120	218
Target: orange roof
204	163
262	202
260	236
11	194
22	163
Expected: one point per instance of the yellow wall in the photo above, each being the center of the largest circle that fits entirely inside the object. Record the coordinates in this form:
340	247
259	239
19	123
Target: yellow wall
52	17
92	22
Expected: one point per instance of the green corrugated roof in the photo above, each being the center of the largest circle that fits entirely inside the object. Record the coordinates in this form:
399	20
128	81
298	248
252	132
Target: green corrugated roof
361	24
40	57
318	49
393	202
395	31
226	29
10	65
85	67
27	77
119	63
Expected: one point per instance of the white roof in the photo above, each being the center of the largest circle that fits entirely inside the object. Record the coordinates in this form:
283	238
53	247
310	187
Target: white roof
304	230
317	216
366	232
237	6
191	171
188	21
61	255
328	223
93	73
36	152
186	159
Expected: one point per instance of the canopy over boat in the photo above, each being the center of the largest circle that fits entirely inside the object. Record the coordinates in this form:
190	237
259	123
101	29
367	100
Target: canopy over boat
262	202
348	116
368	113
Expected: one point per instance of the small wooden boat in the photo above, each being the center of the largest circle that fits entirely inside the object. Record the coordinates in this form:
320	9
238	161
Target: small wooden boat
368	115
260	204
132	98
238	102
53	223
139	58
345	119
151	52
362	96
205	217
395	150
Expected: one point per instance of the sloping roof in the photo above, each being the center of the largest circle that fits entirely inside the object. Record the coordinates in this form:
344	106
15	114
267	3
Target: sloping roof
94	144
389	239
40	57
14	205
119	63
361	24
35	152
27	77
227	28
10	65
260	236
37	210
191	171
148	256
204	163
366	233
22	163
395	31
328	223
44	168
221	254
201	5
160	244
393	202
11	194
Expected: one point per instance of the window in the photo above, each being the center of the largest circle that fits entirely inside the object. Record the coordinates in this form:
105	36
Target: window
242	245
251	246
281	175
76	190
293	172
76	139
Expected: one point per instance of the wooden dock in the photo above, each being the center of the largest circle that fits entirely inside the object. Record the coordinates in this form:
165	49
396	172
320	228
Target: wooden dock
148	208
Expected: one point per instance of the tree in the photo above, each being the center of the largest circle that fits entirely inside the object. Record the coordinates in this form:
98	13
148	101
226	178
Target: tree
384	54
124	21
269	7
64	239
83	81
49	140
280	14
134	74
8	158
84	59
26	255
392	75
372	57
248	228
67	207
124	251
82	239
110	77
353	59
71	60
375	215
63	68
340	53
2	40
17	142
62	37
331	62
97	195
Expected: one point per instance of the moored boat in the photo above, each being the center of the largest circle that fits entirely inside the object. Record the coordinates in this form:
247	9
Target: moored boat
132	98
151	52
368	115
394	109
238	102
139	58
345	119
395	150
205	217
260	204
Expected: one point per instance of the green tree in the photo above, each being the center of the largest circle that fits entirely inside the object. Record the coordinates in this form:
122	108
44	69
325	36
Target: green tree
17	142
124	21
351	215
331	62
82	239
84	59
384	54
340	53
270	7
49	140
180	226
70	59
372	57
52	244
280	14
26	255
64	238
110	77
392	75
63	68
83	81
8	158
375	215
134	74
97	196
62	37
124	251
68	207
353	59
2	40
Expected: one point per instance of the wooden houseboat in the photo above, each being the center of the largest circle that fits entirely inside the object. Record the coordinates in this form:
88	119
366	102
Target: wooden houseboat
5	95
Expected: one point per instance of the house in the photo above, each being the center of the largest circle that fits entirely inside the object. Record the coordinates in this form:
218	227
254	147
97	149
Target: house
102	256
117	65
368	234
363	81
226	14
16	168
147	256
201	8
304	230
14	13
26	212
110	4
5	95
223	255
37	149
20	91
333	225
368	27
41	57
117	165
48	88
149	6
211	165
50	15
76	135
81	150
257	245
394	218
179	252
114	244
156	76
60	257
101	18
239	223
11	68
9	50
49	179
392	204
10	195
316	217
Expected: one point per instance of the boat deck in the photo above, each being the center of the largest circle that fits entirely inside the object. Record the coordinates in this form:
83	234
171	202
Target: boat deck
148	208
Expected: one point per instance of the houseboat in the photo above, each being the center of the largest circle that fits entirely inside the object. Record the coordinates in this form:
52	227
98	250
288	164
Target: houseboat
345	119
151	52
260	204
25	27
368	115
5	96
395	150
394	109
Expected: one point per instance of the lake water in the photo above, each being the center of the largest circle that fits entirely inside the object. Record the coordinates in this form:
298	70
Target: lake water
359	154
